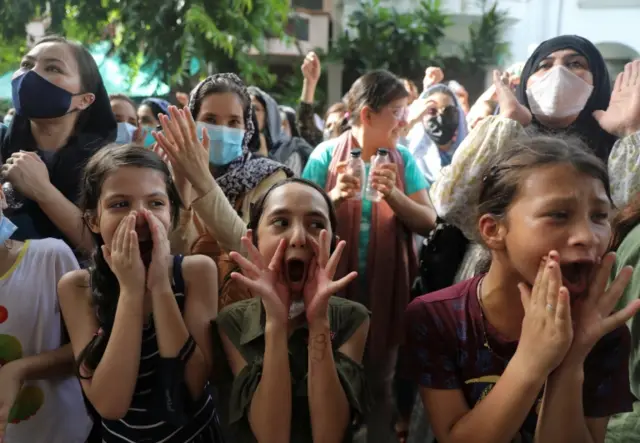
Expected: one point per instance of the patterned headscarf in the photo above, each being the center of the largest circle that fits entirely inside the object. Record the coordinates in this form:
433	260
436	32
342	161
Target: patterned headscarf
247	171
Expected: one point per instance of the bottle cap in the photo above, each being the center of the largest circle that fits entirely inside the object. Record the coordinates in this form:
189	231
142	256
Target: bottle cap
355	153
383	151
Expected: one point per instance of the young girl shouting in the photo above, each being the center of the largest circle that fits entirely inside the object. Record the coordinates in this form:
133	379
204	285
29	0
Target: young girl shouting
531	351
139	319
294	350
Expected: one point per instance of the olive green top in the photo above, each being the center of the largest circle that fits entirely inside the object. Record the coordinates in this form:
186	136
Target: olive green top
243	323
625	427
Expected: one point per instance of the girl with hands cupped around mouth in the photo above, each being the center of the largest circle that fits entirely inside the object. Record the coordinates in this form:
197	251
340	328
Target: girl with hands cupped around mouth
139	318
531	351
294	349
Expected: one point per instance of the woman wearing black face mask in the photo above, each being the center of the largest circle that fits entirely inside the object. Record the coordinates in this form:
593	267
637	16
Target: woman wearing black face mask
63	116
443	128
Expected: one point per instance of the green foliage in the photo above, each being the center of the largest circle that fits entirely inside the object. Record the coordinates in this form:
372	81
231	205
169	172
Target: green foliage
379	37
178	41
485	46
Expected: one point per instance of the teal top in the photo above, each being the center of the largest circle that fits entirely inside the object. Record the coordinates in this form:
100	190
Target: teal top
317	169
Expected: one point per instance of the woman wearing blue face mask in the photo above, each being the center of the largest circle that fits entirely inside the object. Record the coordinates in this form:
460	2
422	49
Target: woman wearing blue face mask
125	111
148	113
219	177
62	117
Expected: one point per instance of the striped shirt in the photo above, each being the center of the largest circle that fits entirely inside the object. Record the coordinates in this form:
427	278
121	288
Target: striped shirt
142	424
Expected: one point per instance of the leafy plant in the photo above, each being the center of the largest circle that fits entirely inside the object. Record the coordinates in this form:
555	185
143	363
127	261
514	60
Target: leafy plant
486	46
177	41
379	37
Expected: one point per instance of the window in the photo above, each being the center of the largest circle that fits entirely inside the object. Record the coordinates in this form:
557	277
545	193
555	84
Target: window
313	5
298	27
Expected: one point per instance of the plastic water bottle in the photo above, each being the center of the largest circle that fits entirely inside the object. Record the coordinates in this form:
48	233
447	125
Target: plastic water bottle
381	158
356	168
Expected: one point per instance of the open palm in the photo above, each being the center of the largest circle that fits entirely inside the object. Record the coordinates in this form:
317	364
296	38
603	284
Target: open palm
593	315
264	281
622	117
509	105
320	285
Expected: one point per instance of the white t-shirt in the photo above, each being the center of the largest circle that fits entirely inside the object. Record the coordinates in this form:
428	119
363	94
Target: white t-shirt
51	411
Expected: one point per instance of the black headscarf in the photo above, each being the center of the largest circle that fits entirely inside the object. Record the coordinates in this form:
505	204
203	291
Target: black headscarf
292	151
95	128
585	125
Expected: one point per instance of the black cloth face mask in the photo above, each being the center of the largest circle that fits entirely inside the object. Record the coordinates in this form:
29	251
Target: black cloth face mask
442	127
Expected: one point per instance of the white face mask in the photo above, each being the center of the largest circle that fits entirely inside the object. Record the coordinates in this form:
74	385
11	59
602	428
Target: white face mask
296	309
559	94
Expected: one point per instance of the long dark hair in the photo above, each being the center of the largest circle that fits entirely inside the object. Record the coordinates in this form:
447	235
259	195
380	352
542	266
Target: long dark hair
257	208
105	288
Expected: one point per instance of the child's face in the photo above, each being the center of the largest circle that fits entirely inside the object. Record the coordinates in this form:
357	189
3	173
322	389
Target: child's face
294	212
558	208
129	189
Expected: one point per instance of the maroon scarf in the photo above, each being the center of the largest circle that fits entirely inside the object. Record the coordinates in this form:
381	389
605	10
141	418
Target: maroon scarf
391	260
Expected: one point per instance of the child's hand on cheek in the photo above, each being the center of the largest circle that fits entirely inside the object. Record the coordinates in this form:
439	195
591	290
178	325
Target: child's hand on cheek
158	274
594	316
320	286
265	281
547	331
123	257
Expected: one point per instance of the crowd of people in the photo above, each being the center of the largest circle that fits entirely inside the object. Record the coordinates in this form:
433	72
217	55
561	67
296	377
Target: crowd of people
231	270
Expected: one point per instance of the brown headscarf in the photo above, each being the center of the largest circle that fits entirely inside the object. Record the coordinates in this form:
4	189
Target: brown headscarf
391	261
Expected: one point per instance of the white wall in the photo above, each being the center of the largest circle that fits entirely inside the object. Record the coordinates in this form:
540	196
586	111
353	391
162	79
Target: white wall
610	28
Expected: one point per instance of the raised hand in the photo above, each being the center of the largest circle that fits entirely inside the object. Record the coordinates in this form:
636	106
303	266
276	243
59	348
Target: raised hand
264	280
432	76
622	117
547	331
189	156
123	256
311	68
510	107
158	274
320	286
593	315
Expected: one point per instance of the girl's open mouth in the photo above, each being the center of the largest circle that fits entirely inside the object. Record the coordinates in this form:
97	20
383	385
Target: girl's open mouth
296	272
146	249
576	276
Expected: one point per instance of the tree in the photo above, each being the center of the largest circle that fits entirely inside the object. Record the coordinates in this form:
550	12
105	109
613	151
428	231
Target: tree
179	41
378	37
485	46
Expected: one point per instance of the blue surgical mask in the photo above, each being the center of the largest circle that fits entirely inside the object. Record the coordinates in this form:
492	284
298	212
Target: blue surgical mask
225	143
7	120
125	133
35	97
148	138
7	228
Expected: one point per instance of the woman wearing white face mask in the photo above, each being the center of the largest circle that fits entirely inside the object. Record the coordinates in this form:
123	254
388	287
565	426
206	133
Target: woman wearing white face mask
564	89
